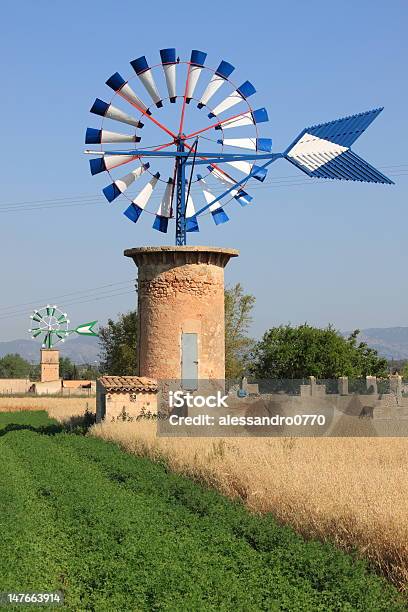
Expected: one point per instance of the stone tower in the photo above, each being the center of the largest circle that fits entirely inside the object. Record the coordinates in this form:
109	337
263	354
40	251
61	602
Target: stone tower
181	311
49	365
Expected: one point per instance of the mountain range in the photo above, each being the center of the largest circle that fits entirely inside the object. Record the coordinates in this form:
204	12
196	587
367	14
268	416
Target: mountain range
79	349
390	342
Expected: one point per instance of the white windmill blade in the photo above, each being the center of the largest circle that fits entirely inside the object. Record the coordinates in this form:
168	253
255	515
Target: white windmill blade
218	79
104	109
122	87
255	144
249	118
139	203
242	166
197	60
112	191
164	211
217	212
241	93
94	136
107	162
191	219
144	72
169	63
239	194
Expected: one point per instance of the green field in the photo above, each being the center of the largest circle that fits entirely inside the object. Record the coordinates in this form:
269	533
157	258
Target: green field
117	532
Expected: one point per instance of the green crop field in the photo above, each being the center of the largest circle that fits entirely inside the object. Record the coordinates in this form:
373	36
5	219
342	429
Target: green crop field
117	532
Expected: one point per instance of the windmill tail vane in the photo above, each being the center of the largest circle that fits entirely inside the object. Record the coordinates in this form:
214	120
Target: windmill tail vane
320	151
52	326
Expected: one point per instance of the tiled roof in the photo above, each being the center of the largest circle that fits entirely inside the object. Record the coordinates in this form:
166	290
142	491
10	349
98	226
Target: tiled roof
128	383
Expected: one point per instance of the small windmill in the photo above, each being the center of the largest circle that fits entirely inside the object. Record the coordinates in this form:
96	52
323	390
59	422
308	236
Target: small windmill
229	162
52	326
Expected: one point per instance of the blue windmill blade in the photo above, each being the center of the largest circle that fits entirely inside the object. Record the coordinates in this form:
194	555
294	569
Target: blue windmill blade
94	136
169	63
107	162
164	211
191	219
241	196
254	144
123	89
218	79
260	115
144	72
103	109
195	68
139	203
323	151
115	189
241	93
217	212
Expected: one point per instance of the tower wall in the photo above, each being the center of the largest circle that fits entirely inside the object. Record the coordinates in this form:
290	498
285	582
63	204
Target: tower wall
49	365
181	292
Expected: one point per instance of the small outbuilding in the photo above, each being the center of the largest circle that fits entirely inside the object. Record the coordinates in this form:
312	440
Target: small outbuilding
125	396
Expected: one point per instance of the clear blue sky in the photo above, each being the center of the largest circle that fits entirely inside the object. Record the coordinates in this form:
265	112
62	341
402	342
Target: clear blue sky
319	252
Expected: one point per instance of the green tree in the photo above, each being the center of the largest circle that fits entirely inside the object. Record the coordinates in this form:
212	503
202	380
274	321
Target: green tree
14	366
404	372
118	341
67	369
238	346
299	352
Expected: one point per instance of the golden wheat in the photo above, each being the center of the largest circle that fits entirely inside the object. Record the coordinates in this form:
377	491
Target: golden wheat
351	491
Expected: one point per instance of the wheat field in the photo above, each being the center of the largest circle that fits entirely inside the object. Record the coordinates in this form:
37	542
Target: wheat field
351	491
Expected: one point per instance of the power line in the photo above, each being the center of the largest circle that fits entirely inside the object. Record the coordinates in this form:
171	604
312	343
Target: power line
49	299
80	200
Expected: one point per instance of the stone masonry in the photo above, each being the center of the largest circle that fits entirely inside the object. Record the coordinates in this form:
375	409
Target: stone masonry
180	290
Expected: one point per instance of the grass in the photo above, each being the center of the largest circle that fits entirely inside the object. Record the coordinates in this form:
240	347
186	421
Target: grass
350	491
120	532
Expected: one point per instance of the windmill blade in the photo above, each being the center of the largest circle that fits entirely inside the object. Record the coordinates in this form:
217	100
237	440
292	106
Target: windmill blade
168	58
134	211
94	136
197	61
250	118
109	111
164	211
217	212
239	194
107	162
323	151
255	144
241	93
144	72
243	166
191	220
218	79
115	189
122	87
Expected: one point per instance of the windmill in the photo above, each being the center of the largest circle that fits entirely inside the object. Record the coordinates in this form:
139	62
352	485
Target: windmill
194	140
221	150
51	325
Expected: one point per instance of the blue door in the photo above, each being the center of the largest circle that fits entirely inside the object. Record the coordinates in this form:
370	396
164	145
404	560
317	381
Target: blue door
189	361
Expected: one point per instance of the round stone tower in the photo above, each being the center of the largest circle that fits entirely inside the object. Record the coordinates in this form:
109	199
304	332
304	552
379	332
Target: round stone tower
181	312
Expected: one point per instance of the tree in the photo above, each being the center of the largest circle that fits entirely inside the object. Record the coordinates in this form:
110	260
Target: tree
14	366
404	372
67	369
299	352
118	341
238	346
